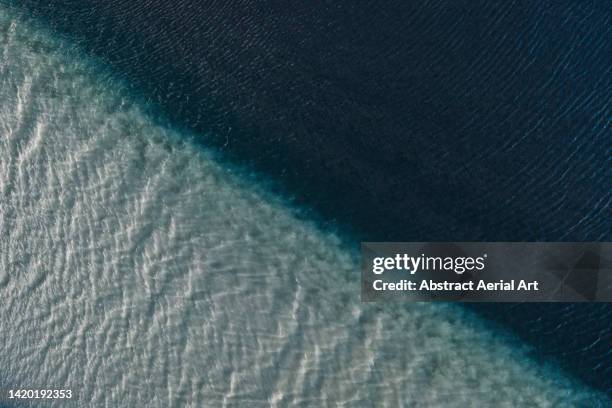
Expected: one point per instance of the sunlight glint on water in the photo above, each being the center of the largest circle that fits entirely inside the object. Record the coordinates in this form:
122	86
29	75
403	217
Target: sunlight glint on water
137	271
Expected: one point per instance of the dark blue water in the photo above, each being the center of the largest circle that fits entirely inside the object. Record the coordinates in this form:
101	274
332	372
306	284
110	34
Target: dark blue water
439	120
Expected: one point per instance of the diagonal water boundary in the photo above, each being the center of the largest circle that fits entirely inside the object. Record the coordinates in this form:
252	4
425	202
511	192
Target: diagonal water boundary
120	273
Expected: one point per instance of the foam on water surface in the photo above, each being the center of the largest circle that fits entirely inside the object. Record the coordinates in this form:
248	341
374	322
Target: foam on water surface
137	270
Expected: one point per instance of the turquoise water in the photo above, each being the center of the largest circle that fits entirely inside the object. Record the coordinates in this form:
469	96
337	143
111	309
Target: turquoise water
138	270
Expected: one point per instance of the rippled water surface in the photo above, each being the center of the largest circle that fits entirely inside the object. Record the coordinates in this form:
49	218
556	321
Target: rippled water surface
138	270
454	120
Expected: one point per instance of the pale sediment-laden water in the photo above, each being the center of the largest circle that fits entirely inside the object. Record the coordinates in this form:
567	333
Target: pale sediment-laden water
136	269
